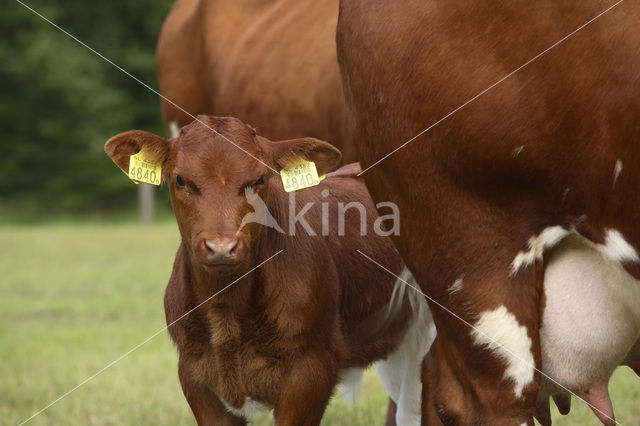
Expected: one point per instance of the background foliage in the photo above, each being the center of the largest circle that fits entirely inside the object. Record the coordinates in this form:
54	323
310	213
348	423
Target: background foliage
59	102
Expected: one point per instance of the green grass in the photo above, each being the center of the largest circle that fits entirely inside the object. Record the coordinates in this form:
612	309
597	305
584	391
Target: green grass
74	297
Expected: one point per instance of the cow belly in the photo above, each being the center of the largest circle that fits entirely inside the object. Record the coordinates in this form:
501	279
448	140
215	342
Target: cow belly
591	319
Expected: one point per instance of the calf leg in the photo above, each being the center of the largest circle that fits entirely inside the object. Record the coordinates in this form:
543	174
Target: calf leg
205	405
306	390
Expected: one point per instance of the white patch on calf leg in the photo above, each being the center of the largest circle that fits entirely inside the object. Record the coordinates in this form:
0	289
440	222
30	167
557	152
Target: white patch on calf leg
249	408
500	331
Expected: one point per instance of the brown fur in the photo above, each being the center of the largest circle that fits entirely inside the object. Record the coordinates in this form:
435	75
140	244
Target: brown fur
270	63
282	334
469	203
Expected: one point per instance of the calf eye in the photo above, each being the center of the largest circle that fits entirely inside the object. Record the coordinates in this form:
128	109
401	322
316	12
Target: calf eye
261	181
179	180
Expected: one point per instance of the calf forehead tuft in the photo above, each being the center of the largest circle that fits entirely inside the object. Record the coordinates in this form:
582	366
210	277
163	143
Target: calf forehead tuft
218	142
215	128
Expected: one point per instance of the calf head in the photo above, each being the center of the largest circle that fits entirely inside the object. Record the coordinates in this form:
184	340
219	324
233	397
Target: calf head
213	182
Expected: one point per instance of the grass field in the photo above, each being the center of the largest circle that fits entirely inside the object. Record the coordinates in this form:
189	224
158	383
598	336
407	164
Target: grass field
74	297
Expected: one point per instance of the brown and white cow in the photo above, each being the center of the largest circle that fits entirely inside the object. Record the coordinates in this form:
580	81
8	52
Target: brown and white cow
270	63
296	306
521	204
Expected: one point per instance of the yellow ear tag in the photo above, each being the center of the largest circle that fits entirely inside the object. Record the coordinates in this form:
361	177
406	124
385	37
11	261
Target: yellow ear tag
301	176
143	169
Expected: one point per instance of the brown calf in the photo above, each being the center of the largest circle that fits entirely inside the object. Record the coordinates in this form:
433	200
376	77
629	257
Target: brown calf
270	63
519	195
292	310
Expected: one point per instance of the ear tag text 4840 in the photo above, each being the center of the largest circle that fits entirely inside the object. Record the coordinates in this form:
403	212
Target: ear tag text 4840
143	169
301	176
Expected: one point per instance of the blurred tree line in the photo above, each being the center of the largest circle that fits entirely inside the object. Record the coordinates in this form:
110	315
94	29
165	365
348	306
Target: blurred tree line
60	102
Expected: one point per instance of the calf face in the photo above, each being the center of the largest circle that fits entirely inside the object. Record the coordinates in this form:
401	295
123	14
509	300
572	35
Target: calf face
212	181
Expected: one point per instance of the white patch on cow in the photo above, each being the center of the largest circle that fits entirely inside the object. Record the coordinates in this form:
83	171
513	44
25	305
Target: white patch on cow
592	312
456	286
616	173
174	130
401	372
351	383
501	333
517	151
249	408
564	195
617	248
548	238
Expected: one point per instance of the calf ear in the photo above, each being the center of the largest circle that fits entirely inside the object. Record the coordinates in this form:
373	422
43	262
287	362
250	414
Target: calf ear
283	154
124	145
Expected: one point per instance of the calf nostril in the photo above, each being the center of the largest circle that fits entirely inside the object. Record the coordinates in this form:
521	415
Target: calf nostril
232	251
210	247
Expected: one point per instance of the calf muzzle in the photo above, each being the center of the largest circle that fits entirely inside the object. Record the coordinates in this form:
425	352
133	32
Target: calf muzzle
219	250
